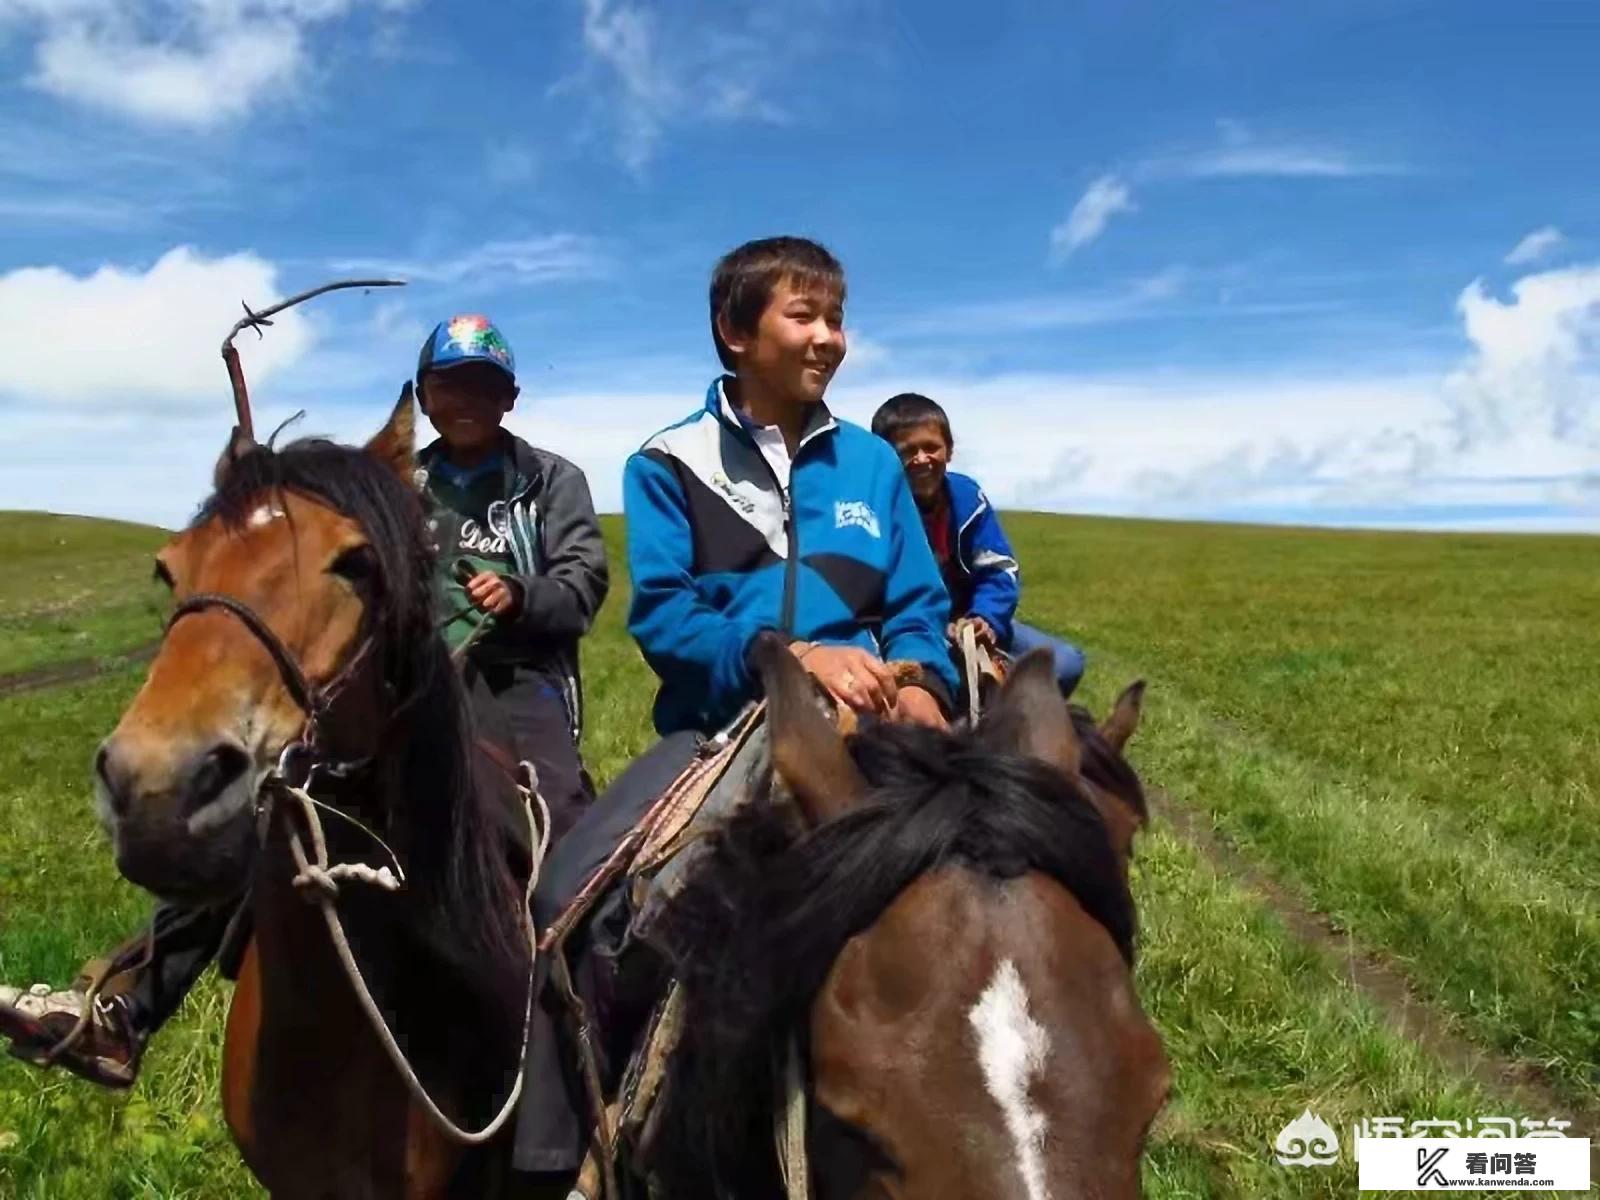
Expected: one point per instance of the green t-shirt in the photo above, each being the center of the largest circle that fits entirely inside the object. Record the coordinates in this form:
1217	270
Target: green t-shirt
469	522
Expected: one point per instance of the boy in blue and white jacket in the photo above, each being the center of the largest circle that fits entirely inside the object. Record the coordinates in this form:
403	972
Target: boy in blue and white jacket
974	556
759	511
762	511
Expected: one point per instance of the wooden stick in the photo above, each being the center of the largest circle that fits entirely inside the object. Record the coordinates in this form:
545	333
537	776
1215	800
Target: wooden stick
255	320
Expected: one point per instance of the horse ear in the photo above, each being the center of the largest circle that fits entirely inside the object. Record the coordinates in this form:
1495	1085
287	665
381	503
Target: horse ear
1124	719
1030	717
239	444
395	445
808	753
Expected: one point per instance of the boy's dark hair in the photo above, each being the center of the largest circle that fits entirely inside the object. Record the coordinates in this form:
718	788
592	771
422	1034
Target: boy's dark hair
743	281
900	413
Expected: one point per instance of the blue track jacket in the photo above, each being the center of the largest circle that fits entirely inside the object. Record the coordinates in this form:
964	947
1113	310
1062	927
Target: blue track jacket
720	547
986	581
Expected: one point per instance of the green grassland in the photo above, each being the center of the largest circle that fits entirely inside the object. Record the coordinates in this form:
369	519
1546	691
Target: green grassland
1395	727
1403	727
74	588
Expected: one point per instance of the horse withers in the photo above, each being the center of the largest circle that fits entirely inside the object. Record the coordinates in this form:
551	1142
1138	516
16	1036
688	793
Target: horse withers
945	939
303	643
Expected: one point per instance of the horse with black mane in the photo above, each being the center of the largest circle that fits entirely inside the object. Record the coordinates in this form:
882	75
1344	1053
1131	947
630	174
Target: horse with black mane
947	935
303	651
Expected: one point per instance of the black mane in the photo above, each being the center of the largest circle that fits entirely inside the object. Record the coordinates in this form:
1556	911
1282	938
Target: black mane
755	933
461	902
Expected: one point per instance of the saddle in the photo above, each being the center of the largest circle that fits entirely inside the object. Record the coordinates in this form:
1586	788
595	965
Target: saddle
654	863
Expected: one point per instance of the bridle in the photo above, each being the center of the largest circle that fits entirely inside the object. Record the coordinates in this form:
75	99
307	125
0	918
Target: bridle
299	765
306	755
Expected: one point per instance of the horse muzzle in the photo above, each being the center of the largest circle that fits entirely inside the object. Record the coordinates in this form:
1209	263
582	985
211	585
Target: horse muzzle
182	824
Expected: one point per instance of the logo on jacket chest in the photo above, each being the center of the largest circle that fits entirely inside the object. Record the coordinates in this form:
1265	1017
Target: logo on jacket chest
478	540
730	493
857	513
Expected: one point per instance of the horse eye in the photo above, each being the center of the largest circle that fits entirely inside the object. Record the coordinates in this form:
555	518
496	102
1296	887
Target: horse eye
357	564
162	575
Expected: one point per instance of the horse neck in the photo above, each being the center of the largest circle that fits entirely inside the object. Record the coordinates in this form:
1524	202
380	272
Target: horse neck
316	1041
455	1013
325	1114
462	900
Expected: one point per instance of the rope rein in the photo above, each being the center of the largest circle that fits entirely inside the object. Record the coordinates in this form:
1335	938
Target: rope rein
318	882
971	666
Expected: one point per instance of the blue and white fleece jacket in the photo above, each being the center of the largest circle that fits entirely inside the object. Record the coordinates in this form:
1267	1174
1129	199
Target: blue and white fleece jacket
720	547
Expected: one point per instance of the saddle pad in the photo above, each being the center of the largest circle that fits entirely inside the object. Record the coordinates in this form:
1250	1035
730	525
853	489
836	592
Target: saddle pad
686	797
658	876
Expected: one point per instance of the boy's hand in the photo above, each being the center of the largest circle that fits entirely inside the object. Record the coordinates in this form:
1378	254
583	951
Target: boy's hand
980	627
916	706
853	677
492	593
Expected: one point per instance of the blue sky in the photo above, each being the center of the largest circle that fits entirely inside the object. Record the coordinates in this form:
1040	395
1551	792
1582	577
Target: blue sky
1325	263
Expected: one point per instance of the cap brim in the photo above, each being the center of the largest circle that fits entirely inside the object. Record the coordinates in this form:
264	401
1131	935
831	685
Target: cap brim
472	362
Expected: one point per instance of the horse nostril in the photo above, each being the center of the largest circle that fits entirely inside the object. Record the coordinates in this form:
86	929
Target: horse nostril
113	783
213	772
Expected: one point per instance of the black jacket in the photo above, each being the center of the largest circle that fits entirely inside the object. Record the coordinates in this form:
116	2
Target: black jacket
561	573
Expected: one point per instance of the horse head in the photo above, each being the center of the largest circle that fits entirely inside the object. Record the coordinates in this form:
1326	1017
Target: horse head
979	1033
291	584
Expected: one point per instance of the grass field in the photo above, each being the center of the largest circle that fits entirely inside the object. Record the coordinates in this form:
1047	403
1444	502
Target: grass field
1400	730
74	588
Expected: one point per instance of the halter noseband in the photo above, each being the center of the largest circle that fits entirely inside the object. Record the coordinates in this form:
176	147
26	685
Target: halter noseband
301	757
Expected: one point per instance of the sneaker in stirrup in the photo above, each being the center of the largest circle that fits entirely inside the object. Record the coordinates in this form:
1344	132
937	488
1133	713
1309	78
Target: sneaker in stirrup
106	1050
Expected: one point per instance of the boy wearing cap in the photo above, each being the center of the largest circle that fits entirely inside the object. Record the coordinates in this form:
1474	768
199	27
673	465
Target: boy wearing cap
522	572
522	565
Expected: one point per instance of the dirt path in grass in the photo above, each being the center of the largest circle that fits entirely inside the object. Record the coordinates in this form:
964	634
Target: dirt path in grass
1383	981
56	674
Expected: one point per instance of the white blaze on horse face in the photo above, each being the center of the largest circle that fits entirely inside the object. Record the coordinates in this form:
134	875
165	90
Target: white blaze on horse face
263	515
1012	1049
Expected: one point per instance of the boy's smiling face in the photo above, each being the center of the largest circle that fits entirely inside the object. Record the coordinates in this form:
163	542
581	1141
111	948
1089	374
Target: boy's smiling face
797	345
926	455
467	403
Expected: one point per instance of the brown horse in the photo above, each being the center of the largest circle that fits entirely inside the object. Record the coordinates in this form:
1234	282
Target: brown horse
950	937
303	644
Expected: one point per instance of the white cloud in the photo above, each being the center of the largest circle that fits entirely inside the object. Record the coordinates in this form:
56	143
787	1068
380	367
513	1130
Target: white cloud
1103	199
651	68
123	340
1534	370
865	354
1238	153
1173	292
623	38
1515	424
1168	444
1538	244
1285	161
1134	300
90	211
194	64
166	84
546	259
1241	152
1505	437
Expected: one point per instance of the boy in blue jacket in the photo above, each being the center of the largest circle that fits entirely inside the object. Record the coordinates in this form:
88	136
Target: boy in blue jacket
758	511
971	548
761	511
